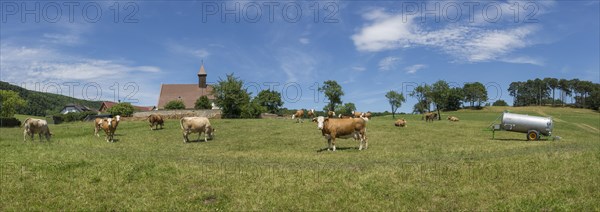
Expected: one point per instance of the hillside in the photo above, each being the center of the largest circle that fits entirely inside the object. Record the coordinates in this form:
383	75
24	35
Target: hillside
39	103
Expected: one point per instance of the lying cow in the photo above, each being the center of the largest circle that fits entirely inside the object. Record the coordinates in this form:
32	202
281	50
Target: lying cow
155	120
330	114
453	118
400	123
430	116
311	113
298	116
196	125
36	126
343	128
109	125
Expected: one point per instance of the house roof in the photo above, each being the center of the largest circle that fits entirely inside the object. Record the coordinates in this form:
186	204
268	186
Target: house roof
189	93
202	71
78	107
109	104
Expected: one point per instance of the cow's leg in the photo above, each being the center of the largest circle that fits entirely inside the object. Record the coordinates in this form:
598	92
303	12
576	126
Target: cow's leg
206	134
185	136
24	135
332	137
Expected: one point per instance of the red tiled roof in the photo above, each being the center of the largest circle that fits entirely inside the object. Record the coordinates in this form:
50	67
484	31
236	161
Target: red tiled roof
189	93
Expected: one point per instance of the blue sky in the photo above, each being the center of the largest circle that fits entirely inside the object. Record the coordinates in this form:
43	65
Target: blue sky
108	50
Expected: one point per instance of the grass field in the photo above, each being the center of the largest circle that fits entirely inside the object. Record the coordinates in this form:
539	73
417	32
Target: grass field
277	165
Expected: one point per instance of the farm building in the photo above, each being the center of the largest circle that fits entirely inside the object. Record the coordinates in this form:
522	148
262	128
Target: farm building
188	93
74	108
107	105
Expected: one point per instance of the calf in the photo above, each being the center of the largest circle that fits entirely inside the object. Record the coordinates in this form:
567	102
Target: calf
400	123
298	116
155	120
453	118
343	128
109	125
36	126
196	125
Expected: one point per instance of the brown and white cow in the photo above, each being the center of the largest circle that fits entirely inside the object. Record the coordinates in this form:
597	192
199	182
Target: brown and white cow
400	123
311	113
356	114
430	116
299	115
453	118
330	114
155	119
198	125
109	125
343	128
36	126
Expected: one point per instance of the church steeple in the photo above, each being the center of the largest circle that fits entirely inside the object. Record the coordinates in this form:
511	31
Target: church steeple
202	76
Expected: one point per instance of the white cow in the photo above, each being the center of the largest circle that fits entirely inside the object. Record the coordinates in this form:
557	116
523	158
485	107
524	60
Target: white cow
196	125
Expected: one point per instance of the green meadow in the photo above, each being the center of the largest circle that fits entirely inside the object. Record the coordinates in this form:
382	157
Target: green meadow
280	165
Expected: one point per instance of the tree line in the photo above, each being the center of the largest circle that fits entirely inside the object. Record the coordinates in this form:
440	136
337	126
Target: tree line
553	91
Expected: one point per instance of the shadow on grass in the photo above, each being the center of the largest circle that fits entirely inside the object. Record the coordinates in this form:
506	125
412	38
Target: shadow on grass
338	149
515	139
200	140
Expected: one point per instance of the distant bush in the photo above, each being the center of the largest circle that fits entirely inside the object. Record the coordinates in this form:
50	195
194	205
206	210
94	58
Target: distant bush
202	103
500	102
124	109
252	110
9	122
175	105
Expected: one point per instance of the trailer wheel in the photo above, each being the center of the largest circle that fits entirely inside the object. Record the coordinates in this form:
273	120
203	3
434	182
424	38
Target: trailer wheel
533	135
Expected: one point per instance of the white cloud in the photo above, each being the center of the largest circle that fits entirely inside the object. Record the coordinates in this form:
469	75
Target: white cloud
388	63
523	60
27	65
414	68
464	43
304	41
297	65
359	68
199	53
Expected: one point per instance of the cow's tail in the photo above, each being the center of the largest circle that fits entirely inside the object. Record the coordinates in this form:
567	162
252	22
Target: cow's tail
181	123
24	122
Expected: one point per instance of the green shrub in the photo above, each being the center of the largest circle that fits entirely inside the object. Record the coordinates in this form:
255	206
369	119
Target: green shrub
124	109
202	103
500	102
175	105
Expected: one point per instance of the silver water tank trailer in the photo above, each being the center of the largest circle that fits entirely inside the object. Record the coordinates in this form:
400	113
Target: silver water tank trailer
532	125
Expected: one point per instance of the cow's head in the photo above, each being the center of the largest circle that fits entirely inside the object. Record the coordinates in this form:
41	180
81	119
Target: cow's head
320	122
118	118
211	132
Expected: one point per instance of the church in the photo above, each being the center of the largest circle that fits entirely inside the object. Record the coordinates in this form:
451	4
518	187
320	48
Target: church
188	93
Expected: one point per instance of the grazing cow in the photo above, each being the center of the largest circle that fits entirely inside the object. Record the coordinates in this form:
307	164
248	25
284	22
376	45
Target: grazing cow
36	126
155	120
343	128
330	114
400	123
453	118
298	116
311	113
109	125
196	125
430	116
